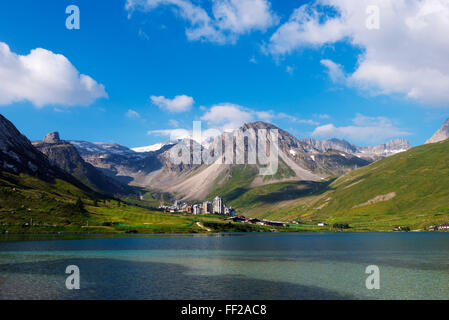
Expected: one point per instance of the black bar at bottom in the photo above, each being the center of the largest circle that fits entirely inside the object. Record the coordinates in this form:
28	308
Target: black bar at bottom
218	309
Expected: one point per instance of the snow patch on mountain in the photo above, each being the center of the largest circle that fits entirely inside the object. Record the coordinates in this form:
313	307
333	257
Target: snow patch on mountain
152	148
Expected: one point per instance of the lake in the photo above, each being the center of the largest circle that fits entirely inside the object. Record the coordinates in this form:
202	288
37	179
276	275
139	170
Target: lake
238	266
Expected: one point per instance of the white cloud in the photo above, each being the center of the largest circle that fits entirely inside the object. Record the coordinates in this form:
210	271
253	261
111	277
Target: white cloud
334	70
228	116
407	55
44	78
304	29
229	19
242	16
365	129
178	104
132	114
180	134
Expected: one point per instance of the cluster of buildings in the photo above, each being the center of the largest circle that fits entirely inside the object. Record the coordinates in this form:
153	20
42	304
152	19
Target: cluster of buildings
217	206
444	226
256	221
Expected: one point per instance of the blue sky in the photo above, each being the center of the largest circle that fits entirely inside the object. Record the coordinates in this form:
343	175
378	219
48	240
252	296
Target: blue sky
282	65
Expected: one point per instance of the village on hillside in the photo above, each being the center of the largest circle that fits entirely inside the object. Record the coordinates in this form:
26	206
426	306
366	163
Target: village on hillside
217	206
207	207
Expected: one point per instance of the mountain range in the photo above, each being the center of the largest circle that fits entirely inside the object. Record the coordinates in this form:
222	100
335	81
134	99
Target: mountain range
33	189
305	159
18	156
65	156
329	179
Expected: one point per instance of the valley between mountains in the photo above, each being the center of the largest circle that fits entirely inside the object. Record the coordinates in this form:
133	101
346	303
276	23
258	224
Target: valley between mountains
59	185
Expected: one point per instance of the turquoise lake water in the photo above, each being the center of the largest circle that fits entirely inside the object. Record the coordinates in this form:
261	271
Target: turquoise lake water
243	266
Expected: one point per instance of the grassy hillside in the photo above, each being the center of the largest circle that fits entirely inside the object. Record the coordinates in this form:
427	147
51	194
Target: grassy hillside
233	183
28	200
272	201
237	181
29	205
408	189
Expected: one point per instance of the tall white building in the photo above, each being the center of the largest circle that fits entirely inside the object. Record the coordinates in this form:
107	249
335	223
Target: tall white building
218	205
207	207
196	209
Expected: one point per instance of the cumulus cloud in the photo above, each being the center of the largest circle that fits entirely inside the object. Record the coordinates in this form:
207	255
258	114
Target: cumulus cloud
228	116
229	19
44	78
225	117
365	129
406	56
304	29
181	134
178	104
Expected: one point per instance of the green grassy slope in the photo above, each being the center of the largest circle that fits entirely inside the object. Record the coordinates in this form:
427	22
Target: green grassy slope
233	183
25	199
418	179
273	201
29	205
407	189
236	181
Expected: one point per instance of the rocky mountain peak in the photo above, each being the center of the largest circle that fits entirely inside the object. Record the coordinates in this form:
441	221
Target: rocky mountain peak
259	125
18	155
52	137
332	144
398	144
442	133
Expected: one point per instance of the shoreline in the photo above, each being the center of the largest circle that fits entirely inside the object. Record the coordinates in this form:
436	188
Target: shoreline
73	236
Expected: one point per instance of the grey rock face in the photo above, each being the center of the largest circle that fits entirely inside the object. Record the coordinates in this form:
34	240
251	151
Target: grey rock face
52	137
66	157
374	153
120	162
18	155
442	133
387	149
332	144
300	159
